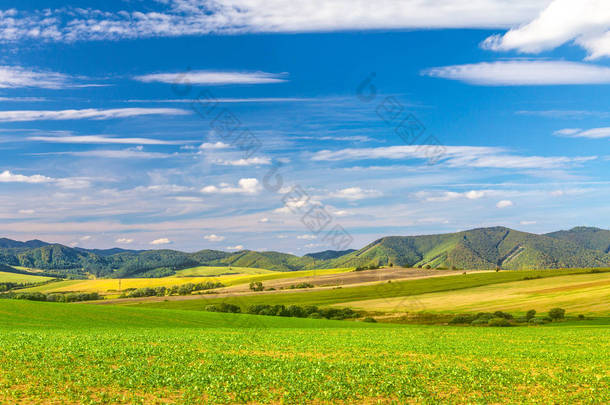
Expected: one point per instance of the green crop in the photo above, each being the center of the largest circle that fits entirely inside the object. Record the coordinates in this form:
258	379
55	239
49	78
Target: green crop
76	353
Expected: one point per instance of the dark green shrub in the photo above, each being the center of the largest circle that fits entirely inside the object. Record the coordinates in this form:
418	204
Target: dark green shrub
500	314
557	314
501	322
479	322
462	319
531	314
369	319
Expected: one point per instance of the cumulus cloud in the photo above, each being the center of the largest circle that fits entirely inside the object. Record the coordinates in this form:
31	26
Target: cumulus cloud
213	78
90	113
504	204
213	146
236	247
173	18
452	195
584	22
253	161
214	238
9	177
244	186
524	73
125	241
161	241
355	193
307	237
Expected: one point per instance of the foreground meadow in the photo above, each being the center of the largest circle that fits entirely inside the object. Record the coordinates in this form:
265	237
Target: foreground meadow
75	353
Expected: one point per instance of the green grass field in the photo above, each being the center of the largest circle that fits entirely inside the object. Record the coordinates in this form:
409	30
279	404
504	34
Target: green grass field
21	278
398	295
74	353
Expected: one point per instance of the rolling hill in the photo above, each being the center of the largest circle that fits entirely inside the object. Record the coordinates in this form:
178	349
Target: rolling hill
483	248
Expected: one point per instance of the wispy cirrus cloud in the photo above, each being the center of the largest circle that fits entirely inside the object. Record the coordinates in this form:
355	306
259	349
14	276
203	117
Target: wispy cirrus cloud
90	113
203	77
102	140
524	73
455	156
22	77
593	133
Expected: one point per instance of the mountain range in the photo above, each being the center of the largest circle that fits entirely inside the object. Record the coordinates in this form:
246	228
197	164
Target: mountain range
482	248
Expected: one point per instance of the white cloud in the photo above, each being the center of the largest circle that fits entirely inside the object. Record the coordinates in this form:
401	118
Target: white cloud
524	73
161	241
9	177
583	22
212	78
594	133
26	212
244	186
213	146
454	156
527	223
90	113
15	77
133	153
263	220
125	241
85	238
237	247
307	237
102	139
504	204
172	18
452	195
355	193
253	161
214	238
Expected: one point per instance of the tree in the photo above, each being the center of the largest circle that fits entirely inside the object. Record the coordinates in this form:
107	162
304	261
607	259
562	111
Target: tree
530	314
256	286
557	313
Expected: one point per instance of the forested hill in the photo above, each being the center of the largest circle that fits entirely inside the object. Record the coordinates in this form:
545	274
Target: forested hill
484	248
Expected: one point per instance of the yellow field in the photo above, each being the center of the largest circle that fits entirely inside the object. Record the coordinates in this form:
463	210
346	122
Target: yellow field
582	293
103	286
207	271
21	278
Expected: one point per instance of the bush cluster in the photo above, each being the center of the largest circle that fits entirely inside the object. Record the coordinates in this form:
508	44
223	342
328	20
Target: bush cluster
302	312
301	285
500	318
185	289
224	307
53	297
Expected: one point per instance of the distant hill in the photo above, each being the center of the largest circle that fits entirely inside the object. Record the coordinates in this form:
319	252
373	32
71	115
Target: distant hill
329	254
483	248
587	237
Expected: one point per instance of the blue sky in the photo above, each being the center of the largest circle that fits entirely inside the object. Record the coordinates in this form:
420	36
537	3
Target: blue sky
100	147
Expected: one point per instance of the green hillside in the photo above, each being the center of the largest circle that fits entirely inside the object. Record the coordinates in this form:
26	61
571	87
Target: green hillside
484	248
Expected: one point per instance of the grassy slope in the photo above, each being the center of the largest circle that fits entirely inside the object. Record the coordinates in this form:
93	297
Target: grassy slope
371	292
21	278
73	353
584	293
